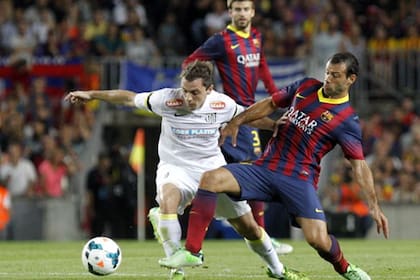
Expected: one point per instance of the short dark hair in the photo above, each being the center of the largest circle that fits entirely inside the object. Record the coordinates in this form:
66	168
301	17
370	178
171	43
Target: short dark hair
199	69
349	59
229	2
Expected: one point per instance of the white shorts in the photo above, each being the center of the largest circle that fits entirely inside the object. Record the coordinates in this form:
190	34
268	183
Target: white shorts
187	182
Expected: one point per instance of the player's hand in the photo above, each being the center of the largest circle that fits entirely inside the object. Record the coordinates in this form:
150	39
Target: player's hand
78	97
381	221
231	129
281	121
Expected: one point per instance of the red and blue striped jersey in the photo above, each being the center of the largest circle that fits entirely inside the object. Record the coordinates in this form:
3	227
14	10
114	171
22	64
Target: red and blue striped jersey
315	125
240	61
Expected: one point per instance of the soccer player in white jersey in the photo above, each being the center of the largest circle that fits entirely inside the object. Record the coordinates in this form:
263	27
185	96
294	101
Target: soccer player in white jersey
188	146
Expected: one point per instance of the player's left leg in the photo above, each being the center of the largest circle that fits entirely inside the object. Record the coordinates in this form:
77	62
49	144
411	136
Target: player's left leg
327	246
260	243
239	215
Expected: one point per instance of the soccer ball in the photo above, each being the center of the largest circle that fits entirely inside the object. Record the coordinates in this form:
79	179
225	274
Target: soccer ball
101	256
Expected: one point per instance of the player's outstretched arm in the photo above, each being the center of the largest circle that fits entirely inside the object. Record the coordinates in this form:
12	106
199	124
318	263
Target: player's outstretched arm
257	111
264	123
116	97
364	178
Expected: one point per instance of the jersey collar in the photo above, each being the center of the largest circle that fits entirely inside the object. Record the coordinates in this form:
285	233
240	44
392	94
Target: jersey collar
324	99
239	32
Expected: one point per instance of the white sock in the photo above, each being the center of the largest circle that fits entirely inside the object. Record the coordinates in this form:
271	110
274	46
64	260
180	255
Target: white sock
264	248
170	233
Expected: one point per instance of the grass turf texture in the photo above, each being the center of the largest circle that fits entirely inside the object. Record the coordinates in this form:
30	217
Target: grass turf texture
382	259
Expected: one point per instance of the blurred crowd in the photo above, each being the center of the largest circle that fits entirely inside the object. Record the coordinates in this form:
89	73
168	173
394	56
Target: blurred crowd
41	138
392	149
149	30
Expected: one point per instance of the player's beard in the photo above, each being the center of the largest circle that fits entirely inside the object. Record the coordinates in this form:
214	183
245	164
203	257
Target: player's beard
242	24
335	91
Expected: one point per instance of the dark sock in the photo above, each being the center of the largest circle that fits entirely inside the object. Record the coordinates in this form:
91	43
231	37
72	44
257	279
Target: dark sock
335	256
201	214
257	208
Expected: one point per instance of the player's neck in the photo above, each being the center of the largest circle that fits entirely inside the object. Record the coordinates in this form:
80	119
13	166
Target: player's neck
324	94
245	31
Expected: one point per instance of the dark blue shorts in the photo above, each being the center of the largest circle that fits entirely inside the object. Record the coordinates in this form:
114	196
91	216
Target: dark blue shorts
258	183
248	146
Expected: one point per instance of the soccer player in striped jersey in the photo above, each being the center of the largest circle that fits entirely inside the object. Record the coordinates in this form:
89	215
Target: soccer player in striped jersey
319	117
238	54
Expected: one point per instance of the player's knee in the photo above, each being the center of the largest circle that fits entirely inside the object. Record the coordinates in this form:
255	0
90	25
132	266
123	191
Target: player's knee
210	180
319	240
169	199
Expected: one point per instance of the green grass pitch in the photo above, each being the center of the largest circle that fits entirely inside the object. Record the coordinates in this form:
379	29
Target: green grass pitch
226	259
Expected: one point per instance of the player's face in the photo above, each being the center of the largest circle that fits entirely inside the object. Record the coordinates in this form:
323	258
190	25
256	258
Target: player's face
336	83
242	13
195	93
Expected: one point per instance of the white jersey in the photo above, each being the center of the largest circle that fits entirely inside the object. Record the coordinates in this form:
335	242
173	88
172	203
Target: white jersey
189	139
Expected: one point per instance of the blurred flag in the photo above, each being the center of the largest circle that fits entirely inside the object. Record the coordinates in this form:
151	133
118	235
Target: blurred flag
137	152
284	72
136	77
141	78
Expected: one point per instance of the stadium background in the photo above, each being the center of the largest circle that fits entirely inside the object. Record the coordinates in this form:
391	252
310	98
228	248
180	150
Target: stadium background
139	45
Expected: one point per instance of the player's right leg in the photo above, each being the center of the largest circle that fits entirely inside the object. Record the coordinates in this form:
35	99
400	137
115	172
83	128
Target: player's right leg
175	189
168	226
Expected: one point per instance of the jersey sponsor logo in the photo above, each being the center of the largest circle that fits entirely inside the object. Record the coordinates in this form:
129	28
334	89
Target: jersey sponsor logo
217	105
176	102
301	120
249	60
317	210
184	133
327	116
234	46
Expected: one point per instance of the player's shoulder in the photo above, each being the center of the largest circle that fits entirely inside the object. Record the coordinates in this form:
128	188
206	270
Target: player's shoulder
255	31
167	93
172	97
309	81
218	101
167	97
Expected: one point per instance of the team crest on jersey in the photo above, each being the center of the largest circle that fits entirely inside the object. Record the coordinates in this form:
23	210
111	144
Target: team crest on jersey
327	116
256	42
217	105
210	118
176	102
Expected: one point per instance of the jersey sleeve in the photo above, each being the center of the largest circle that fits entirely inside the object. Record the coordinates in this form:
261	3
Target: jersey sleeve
212	49
284	97
232	109
350	139
151	101
265	75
